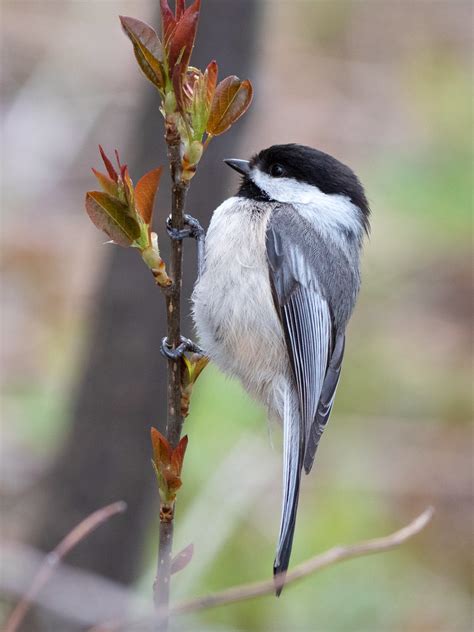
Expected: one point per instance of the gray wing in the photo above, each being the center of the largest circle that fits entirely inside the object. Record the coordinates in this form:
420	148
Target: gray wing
314	347
326	400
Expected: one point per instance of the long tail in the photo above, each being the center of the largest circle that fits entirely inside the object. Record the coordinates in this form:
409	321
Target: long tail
293	453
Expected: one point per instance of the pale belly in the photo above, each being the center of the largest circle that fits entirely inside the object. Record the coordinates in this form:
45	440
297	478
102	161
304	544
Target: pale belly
232	303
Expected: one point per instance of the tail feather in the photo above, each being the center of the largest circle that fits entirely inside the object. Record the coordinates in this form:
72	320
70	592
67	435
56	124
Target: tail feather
293	453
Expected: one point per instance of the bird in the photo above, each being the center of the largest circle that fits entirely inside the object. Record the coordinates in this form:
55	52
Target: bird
278	284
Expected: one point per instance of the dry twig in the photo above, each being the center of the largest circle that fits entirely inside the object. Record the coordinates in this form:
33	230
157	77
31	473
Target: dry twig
258	589
51	561
333	556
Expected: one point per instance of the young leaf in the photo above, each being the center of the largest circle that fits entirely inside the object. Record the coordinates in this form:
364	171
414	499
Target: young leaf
106	183
231	99
180	561
117	158
180	8
162	482
177	79
177	457
162	450
145	192
147	48
168	21
113	217
108	165
181	41
127	183
144	34
210	78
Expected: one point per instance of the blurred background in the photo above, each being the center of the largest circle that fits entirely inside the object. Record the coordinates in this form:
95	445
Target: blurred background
384	86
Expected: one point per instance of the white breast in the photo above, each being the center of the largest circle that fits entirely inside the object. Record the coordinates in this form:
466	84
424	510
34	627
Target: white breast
232	303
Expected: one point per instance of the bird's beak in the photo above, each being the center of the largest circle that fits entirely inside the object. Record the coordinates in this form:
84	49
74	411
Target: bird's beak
242	166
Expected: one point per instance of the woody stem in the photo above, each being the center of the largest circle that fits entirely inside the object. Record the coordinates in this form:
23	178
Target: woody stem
174	422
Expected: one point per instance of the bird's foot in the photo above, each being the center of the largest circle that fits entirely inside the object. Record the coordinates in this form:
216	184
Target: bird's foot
192	228
173	353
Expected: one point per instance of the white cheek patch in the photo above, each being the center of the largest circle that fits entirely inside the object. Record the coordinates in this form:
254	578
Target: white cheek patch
328	211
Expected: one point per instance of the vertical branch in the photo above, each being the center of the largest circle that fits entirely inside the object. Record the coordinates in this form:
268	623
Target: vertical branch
173	294
161	586
174	417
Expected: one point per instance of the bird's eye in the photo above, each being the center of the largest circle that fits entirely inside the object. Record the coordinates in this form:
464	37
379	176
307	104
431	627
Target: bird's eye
277	171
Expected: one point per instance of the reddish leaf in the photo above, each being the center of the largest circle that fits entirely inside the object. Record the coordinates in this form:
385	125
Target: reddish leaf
177	80
117	158
161	449
162	482
181	41
113	217
128	184
147	48
145	192
144	34
231	99
185	80
210	77
174	482
180	7
177	457
106	183
108	165
180	561
167	20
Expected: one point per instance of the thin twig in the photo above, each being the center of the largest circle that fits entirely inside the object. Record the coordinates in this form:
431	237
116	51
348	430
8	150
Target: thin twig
333	556
52	559
328	558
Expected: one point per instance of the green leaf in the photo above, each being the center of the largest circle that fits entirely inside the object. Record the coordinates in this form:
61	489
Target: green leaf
113	217
231	99
147	48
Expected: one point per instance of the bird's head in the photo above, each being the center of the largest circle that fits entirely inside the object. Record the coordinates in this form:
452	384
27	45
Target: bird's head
297	174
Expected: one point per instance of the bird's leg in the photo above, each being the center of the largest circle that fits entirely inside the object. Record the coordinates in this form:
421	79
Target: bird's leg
192	228
185	345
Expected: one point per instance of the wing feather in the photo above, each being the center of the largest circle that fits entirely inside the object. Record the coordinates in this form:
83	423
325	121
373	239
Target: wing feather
305	316
314	287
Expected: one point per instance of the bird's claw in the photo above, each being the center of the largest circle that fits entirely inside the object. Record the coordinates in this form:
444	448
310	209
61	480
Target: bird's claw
192	228
174	353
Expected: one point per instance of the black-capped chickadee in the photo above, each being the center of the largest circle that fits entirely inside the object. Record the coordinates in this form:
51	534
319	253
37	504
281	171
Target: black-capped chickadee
278	285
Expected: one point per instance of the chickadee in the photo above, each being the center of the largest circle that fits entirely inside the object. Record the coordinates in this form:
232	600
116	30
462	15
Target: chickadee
278	285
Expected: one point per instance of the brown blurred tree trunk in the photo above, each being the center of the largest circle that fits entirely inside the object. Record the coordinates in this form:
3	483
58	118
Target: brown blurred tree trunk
123	387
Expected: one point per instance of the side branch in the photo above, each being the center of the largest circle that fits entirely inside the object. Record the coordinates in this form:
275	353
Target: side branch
333	556
79	533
